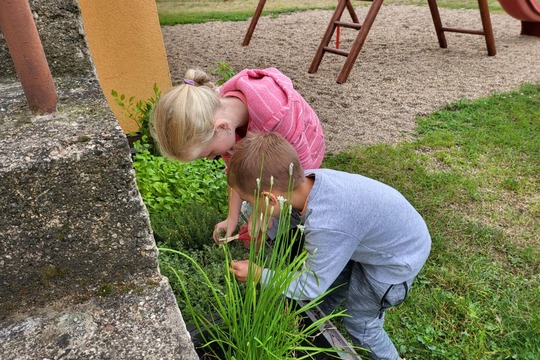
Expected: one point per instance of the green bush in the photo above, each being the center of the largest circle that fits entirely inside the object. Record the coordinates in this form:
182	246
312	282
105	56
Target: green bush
189	229
168	184
212	258
140	112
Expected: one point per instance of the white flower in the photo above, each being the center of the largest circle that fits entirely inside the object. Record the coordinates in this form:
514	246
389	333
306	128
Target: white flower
290	169
271	180
290	209
301	228
258	183
266	200
281	201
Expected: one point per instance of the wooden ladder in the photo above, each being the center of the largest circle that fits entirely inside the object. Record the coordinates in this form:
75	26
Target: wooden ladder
363	31
487	29
260	7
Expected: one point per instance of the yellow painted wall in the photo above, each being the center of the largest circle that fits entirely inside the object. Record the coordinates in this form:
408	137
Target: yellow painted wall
126	44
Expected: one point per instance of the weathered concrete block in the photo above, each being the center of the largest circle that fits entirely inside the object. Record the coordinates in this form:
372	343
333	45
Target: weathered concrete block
137	324
71	212
75	238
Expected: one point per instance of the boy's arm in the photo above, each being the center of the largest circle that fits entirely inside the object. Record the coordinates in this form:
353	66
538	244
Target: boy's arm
328	254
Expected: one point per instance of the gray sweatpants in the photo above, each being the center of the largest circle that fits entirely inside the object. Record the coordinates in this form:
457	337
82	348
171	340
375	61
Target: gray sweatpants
366	300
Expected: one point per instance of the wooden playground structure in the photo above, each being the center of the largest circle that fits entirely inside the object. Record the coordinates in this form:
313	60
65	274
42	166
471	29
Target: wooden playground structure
363	29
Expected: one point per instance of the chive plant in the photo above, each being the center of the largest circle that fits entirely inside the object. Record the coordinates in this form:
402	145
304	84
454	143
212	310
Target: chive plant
249	321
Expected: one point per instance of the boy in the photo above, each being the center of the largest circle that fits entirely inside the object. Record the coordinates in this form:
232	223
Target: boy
358	232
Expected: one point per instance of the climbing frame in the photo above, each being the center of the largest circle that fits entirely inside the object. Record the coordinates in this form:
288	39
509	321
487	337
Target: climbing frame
363	30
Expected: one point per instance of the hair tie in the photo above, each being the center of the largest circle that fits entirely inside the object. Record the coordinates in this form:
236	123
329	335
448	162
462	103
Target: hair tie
189	82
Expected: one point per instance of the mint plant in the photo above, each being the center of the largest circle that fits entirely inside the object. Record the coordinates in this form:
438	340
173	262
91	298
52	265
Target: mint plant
167	184
139	111
224	70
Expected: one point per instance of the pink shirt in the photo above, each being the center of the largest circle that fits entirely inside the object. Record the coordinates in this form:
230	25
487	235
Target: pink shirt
274	105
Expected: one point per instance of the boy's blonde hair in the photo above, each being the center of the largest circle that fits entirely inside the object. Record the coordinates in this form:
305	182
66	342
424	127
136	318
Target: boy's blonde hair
262	156
182	122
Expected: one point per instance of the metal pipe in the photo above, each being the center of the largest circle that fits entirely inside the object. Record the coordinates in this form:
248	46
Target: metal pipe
22	39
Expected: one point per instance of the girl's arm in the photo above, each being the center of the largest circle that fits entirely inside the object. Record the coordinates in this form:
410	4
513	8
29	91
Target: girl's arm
229	224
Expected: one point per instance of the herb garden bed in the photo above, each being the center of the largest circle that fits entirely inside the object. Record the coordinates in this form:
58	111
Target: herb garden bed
328	337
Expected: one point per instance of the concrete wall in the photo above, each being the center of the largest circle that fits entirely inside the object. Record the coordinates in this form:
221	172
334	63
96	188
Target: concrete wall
59	26
72	218
79	277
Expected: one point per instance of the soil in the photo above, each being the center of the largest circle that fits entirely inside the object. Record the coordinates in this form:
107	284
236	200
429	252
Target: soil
401	72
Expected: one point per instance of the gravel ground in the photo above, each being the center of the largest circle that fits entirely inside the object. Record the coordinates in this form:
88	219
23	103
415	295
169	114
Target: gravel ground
400	73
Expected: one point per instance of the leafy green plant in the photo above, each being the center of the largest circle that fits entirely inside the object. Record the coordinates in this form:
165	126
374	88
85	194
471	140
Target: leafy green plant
188	226
224	70
140	112
167	184
248	321
208	256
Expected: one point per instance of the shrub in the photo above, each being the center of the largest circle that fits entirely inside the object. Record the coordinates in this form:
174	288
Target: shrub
140	112
168	184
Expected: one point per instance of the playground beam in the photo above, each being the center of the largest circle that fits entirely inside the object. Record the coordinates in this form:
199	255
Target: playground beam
22	38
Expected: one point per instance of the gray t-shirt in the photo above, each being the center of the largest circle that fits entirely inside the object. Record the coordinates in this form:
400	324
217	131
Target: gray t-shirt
352	217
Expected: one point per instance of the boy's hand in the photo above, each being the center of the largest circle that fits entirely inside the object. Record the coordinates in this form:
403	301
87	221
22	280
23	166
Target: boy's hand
240	270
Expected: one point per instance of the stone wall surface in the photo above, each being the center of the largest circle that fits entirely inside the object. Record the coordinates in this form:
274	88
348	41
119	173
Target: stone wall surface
71	212
60	29
143	323
79	277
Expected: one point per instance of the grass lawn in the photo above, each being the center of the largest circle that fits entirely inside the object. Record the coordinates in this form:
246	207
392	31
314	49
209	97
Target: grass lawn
173	12
474	174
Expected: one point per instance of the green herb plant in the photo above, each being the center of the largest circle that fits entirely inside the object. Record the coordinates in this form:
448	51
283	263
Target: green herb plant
140	112
249	321
188	229
166	184
224	70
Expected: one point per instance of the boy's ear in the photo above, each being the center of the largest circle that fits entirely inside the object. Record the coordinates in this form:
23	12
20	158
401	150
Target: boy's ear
272	199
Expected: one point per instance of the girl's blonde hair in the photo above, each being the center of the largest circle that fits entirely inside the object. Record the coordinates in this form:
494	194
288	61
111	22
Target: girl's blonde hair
182	122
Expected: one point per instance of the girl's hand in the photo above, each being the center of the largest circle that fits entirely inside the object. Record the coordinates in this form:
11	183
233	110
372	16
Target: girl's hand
240	270
224	229
258	231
